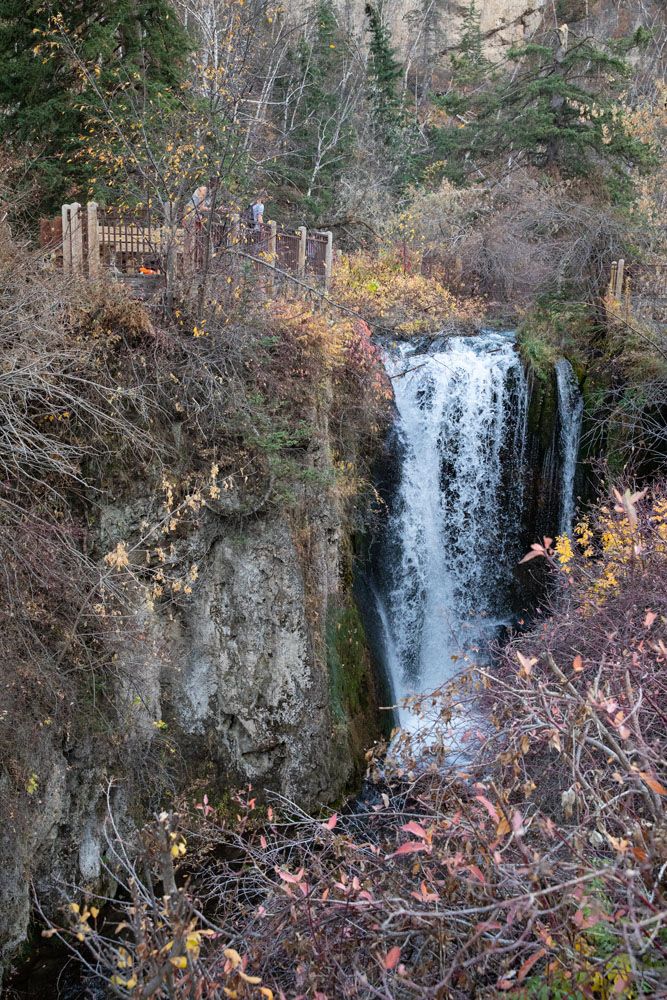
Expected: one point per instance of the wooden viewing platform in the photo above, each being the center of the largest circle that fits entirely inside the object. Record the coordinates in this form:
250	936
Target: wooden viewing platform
88	240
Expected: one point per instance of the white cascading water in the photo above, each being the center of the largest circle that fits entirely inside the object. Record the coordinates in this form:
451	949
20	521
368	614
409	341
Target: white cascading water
452	535
570	414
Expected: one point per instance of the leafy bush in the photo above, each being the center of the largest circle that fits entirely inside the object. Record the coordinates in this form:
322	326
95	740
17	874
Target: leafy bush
393	296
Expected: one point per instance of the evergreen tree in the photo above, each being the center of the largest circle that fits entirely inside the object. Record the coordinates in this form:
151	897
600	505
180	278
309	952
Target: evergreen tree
396	127
468	61
87	65
557	110
384	72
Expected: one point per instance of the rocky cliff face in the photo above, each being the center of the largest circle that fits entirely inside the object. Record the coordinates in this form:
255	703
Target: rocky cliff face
244	681
503	22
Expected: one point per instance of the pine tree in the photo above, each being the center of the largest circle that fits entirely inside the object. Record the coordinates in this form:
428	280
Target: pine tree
557	110
468	62
384	71
66	72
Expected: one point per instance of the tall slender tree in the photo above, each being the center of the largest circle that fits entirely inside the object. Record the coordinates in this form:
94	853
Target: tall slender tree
384	72
319	94
468	61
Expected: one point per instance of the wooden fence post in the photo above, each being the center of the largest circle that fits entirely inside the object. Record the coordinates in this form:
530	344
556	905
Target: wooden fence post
67	241
93	239
168	209
611	288
273	242
76	231
620	274
301	262
328	261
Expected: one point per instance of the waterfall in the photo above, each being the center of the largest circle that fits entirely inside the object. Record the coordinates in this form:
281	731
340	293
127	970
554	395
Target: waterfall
570	414
445	563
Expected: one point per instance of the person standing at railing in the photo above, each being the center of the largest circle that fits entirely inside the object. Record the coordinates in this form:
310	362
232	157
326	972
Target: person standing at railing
197	212
258	212
198	204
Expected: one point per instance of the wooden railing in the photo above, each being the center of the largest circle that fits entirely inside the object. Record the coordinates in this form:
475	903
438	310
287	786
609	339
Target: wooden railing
87	240
638	287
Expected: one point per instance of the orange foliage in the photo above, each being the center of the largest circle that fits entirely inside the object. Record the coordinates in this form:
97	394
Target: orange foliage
393	295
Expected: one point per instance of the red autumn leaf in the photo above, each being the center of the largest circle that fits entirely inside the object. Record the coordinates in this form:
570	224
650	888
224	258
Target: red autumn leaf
650	618
424	896
331	822
411	847
529	963
535	551
490	808
392	958
415	828
476	872
287	877
577	664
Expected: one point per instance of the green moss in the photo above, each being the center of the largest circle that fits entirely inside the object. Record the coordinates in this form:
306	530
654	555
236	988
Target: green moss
542	410
352	688
556	328
538	353
349	663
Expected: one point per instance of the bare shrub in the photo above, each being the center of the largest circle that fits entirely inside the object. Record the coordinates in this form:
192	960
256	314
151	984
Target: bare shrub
517	238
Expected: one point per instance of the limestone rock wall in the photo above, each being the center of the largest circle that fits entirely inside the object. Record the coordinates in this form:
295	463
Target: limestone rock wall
231	685
505	22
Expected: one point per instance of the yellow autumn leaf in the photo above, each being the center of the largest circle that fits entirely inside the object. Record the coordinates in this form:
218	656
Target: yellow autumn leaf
179	961
253	980
233	956
503	827
192	942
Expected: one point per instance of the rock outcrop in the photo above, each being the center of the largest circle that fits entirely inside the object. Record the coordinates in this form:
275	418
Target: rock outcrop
244	681
502	22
